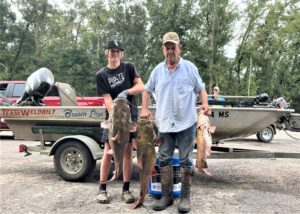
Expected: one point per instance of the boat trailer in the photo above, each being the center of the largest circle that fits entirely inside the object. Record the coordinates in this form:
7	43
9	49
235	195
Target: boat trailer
219	152
238	153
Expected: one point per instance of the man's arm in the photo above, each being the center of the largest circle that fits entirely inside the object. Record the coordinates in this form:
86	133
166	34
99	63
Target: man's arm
137	88
108	102
145	113
204	101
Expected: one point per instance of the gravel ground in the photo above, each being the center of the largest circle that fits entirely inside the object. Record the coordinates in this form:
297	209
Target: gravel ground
31	185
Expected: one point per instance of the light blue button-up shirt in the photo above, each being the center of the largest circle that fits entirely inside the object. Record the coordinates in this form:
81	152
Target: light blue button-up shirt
176	94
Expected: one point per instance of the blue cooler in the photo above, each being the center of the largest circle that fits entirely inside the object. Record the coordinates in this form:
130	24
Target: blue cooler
155	185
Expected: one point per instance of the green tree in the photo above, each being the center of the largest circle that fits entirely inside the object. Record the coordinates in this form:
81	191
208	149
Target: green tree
273	48
71	41
128	24
165	16
212	30
252	15
8	32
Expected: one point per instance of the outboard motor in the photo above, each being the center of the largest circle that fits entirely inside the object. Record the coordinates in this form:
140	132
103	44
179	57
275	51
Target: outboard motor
281	103
38	84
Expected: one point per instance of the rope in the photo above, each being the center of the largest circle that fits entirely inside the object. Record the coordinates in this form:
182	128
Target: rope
291	135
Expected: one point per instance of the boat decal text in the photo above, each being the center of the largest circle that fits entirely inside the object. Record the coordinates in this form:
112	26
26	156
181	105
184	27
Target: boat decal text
69	113
27	112
220	114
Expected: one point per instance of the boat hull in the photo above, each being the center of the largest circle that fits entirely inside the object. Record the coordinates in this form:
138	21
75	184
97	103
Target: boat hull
234	123
21	119
230	122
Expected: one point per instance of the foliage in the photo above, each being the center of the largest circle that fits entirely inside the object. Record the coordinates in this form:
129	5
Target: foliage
70	41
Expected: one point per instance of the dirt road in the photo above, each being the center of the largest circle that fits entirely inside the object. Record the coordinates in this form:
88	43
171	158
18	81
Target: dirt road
31	185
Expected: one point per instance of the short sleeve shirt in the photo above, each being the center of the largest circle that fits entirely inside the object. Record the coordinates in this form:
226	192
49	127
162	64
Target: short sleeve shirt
114	81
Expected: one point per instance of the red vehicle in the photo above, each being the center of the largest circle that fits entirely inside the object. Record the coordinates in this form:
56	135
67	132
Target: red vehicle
11	91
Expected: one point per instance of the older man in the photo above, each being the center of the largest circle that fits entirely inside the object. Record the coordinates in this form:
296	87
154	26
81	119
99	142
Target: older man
176	83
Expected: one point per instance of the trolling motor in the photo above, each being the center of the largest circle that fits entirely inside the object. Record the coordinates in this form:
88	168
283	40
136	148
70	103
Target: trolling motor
38	84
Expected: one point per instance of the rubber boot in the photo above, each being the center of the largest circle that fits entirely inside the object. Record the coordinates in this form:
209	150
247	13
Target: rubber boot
166	200
186	181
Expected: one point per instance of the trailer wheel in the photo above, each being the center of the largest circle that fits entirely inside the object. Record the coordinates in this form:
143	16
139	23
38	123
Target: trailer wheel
266	135
73	161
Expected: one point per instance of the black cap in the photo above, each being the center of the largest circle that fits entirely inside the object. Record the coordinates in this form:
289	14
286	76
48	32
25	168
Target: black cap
114	44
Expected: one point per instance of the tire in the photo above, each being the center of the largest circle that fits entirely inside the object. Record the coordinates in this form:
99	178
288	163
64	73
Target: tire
266	135
73	161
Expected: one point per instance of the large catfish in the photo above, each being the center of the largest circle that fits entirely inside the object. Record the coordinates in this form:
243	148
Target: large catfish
146	139
204	142
119	124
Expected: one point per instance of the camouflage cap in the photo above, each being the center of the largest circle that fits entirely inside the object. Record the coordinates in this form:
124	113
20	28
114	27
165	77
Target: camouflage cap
171	37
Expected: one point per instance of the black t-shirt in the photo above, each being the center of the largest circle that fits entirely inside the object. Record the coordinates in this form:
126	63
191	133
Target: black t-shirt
117	80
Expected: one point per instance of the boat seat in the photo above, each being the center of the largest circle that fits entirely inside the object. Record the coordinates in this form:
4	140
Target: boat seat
67	94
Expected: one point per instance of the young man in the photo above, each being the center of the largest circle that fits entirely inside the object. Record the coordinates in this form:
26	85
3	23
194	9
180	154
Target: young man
176	83
117	79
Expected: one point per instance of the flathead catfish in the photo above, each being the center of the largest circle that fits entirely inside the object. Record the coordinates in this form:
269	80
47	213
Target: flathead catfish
204	142
119	120
146	139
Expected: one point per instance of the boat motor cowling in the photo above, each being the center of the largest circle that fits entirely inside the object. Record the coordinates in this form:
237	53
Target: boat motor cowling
38	84
281	103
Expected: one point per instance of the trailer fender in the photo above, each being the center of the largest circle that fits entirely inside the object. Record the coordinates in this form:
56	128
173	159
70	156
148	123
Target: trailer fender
90	143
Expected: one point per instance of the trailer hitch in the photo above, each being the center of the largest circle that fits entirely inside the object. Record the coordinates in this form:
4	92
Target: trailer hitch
24	148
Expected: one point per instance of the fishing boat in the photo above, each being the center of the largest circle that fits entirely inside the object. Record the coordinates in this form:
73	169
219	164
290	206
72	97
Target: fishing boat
231	122
233	119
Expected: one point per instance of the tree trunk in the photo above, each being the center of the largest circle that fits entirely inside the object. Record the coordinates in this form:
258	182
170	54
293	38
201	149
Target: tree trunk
211	60
14	63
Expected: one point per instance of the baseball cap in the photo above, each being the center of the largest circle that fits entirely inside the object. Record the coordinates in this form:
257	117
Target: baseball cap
171	37
216	88
114	44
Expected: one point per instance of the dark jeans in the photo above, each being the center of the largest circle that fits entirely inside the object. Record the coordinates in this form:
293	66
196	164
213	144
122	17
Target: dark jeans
185	142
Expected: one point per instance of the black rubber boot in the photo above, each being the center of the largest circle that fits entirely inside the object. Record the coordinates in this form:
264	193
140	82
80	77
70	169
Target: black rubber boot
166	200
186	181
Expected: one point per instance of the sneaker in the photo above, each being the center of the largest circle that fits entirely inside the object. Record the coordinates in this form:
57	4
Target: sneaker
128	197
102	197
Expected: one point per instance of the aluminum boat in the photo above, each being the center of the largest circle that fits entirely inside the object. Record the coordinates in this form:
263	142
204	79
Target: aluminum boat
231	122
233	119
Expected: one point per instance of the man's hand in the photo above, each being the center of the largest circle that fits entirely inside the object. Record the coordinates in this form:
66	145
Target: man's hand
206	109
123	94
145	114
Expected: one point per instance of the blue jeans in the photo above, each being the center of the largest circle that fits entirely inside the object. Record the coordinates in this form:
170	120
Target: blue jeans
185	142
